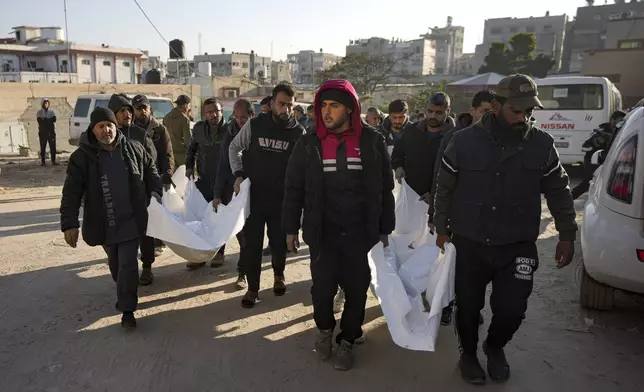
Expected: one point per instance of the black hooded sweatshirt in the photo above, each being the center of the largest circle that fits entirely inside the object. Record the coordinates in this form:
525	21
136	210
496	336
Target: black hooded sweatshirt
84	185
133	132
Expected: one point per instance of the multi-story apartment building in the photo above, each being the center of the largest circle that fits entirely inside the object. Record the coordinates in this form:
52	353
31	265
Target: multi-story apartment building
307	63
41	55
449	46
549	31
414	58
280	72
248	65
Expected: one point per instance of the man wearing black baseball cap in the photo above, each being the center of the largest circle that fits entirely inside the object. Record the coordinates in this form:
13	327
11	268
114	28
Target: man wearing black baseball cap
177	121
488	196
113	178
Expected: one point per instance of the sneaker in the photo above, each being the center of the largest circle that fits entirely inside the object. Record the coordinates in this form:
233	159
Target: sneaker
250	299
497	366
193	266
338	301
240	284
267	251
217	261
128	321
324	344
344	356
471	370
362	339
147	277
279	287
446	317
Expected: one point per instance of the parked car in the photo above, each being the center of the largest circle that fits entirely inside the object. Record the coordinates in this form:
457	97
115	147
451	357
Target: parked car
612	232
85	105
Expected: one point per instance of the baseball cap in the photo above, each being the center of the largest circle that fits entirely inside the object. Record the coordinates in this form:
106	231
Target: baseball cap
182	100
519	91
140	101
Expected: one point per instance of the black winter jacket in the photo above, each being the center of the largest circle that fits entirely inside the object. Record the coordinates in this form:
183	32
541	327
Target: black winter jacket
390	136
225	177
83	185
163	148
204	150
304	189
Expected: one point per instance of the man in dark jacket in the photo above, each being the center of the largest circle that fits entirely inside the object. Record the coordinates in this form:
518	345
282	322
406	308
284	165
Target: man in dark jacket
203	151
414	155
393	126
488	196
310	112
144	118
343	177
46	118
265	144
124	113
113	178
177	121
243	111
301	117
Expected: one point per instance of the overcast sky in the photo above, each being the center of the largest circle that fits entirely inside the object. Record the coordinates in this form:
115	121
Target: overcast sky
253	25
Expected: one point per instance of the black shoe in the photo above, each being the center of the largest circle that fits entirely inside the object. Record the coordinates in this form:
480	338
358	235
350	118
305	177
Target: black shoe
250	299
240	284
497	366
324	343
128	321
279	286
344	356
471	370
147	277
446	317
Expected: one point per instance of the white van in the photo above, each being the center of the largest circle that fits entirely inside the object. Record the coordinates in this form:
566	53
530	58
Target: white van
85	105
572	107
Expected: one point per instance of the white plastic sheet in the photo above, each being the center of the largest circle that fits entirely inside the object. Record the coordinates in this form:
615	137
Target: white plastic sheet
410	265
190	227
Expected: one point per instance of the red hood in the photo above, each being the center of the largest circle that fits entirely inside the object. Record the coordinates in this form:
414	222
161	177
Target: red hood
342	85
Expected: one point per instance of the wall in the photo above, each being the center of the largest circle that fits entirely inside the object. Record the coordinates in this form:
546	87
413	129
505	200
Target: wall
21	101
124	74
12	60
85	71
104	73
623	67
623	30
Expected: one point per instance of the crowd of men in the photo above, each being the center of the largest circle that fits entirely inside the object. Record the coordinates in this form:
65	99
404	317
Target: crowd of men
330	174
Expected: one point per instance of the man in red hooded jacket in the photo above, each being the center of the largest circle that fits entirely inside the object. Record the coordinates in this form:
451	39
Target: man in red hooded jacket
341	176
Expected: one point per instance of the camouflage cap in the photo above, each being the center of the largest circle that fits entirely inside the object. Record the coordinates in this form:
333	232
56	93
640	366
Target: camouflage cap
519	91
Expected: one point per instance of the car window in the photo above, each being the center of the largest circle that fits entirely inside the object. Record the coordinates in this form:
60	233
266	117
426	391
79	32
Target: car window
101	103
572	97
82	107
161	107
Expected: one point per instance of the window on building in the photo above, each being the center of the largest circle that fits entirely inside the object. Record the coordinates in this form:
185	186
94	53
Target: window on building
85	62
126	63
439	70
235	64
107	63
31	65
496	30
63	66
547	27
530	29
597	17
244	65
18	36
441	49
514	29
631	44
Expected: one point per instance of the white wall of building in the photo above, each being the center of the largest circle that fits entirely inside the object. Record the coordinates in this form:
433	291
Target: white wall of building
9	62
125	67
104	69
85	65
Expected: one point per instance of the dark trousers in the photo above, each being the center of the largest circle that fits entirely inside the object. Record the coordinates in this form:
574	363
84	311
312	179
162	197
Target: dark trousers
340	261
240	239
251	252
47	138
147	251
510	268
124	268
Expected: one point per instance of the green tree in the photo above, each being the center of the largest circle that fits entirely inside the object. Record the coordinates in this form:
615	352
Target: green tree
365	72
517	57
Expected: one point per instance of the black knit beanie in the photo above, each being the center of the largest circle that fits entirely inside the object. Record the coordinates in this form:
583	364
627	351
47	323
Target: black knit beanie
101	114
339	96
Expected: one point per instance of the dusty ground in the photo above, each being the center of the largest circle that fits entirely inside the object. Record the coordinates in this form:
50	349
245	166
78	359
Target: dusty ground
60	333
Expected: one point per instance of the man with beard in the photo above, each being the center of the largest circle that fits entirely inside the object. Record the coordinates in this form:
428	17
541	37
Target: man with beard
488	198
144	118
310	112
46	118
242	112
343	177
265	143
393	126
113	178
266	104
415	152
124	113
204	150
177	121
300	116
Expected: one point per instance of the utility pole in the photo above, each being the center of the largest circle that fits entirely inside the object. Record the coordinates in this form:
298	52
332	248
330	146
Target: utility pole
69	45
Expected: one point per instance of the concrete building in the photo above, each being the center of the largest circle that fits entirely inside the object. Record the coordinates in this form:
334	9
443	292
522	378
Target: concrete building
465	65
621	58
280	71
40	55
413	58
248	65
590	30
307	63
549	31
449	46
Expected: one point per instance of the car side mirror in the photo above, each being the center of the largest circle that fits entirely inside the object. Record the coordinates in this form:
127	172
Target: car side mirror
595	158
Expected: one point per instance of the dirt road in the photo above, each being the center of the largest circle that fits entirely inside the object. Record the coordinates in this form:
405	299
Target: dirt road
59	331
